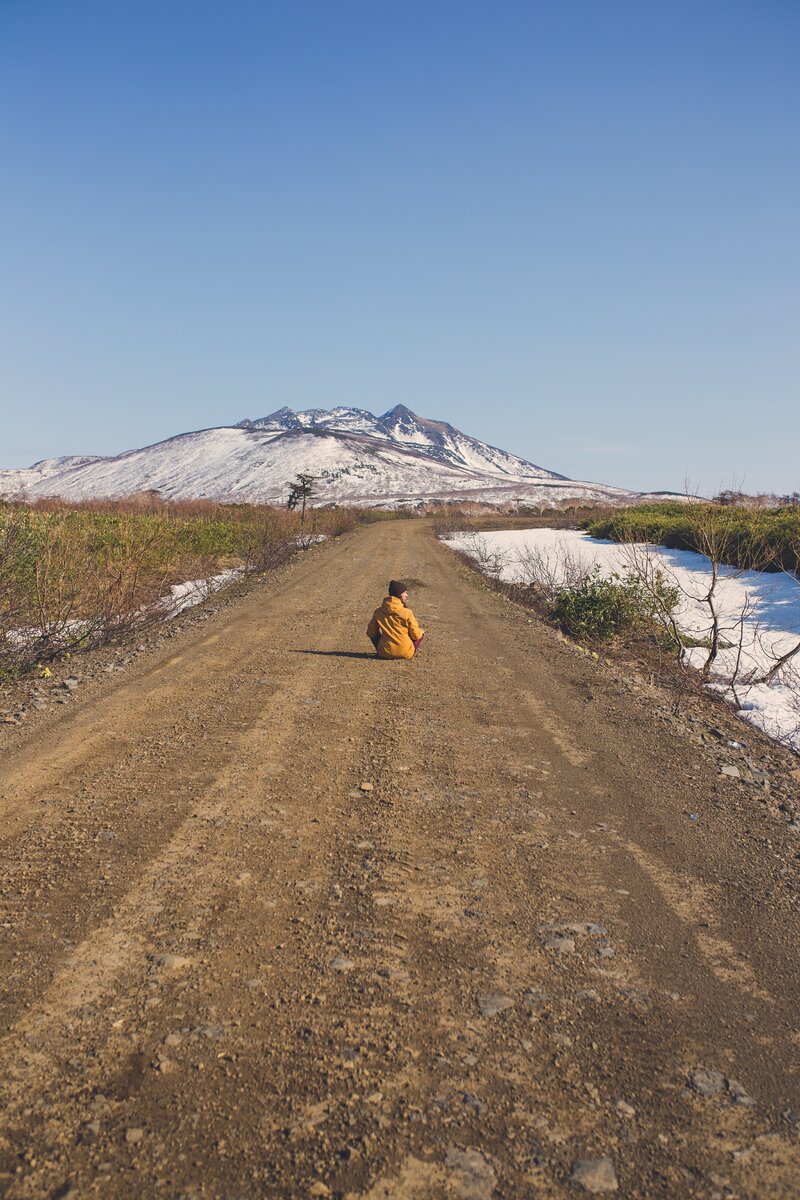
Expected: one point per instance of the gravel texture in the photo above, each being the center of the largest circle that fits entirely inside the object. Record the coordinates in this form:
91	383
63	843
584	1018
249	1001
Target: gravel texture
550	951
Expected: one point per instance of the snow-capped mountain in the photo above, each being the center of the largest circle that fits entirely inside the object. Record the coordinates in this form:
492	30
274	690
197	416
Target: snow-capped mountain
358	458
436	439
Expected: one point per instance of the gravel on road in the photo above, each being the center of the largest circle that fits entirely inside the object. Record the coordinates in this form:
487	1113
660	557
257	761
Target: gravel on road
280	919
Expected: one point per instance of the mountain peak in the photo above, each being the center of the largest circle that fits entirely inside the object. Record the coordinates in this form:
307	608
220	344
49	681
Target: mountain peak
399	410
362	458
284	418
437	440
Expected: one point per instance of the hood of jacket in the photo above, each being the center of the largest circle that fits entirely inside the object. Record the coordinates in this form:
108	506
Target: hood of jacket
393	604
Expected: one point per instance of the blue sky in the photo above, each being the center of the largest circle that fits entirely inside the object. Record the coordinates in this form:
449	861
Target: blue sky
571	229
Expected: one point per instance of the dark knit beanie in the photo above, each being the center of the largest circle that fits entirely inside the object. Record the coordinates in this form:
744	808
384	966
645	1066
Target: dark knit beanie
396	588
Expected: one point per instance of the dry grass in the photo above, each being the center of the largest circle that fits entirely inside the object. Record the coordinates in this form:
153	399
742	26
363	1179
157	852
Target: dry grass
77	576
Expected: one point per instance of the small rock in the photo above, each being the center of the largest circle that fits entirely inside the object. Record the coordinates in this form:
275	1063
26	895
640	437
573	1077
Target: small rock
625	1110
707	1082
340	963
731	772
89	1132
212	1033
366	787
561	943
492	1003
738	1094
134	1136
319	1189
473	1176
170	962
595	1175
69	684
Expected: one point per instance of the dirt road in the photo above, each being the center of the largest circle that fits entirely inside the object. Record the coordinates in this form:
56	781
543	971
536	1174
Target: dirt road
282	920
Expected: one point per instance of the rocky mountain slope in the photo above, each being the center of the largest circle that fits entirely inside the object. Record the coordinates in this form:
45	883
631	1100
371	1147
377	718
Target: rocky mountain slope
394	459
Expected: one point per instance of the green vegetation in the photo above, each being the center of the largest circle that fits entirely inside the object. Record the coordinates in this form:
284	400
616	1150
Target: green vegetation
766	539
94	573
597	608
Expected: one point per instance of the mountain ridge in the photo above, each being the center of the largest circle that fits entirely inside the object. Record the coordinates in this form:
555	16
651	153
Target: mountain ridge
397	458
405	427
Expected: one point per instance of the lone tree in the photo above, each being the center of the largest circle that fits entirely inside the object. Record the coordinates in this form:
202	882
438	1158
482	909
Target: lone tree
300	492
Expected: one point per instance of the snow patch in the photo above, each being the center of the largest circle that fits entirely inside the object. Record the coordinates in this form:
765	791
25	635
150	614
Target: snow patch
195	591
762	606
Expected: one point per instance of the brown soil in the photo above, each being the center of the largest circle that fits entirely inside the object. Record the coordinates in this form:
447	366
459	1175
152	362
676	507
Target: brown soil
283	920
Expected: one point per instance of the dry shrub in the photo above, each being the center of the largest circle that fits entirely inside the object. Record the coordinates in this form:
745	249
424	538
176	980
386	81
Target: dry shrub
74	576
268	538
68	583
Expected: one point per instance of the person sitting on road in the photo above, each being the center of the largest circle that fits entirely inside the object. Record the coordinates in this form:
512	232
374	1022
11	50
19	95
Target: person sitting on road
393	630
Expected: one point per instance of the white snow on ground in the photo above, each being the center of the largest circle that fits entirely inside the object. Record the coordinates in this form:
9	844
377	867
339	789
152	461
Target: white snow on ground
194	591
765	606
181	596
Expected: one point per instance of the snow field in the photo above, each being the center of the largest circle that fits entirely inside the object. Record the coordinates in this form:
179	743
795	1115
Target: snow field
759	611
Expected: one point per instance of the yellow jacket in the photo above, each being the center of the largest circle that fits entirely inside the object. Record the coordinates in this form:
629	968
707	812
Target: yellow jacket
397	627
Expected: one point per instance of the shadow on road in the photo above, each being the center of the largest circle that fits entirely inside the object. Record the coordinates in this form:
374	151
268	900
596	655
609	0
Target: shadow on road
337	653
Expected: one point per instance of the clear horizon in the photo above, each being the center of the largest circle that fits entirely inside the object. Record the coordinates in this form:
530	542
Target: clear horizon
570	233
